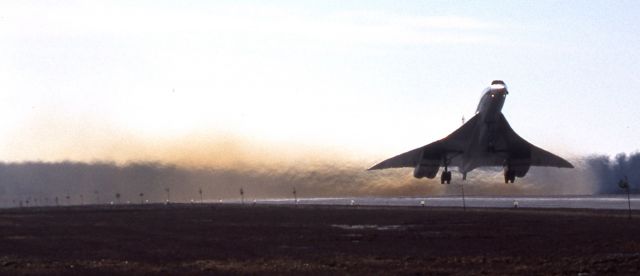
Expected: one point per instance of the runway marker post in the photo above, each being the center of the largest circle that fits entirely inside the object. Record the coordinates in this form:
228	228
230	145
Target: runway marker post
295	196
624	184
464	204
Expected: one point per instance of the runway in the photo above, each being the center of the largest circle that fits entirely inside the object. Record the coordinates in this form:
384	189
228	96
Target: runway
284	239
231	239
611	202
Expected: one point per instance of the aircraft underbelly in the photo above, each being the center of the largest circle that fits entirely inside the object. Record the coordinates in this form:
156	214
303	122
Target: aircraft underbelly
477	152
473	149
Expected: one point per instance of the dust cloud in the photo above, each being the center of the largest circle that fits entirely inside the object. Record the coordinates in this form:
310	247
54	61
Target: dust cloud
108	161
78	182
62	183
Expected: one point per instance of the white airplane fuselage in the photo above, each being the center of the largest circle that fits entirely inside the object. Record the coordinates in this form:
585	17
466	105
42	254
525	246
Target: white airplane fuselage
483	137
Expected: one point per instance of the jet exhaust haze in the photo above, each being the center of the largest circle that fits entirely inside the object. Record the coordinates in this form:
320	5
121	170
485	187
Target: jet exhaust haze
44	181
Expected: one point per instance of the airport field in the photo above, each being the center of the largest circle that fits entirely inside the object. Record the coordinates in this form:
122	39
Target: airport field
267	239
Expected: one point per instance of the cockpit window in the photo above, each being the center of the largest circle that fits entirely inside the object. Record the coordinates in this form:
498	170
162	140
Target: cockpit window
498	84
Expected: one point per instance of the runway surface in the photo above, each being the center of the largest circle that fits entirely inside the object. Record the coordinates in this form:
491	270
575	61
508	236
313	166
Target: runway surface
612	202
228	239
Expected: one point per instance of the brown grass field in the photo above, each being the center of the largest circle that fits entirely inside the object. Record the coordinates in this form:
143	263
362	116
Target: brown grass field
227	239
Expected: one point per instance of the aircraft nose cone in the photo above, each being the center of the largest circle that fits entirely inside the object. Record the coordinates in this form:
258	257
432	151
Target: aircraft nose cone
499	91
498	86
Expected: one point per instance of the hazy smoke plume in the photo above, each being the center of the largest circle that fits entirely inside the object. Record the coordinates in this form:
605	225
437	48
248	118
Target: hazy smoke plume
607	172
100	182
41	183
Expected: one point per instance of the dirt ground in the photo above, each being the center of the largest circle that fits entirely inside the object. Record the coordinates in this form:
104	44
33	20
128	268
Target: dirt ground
235	239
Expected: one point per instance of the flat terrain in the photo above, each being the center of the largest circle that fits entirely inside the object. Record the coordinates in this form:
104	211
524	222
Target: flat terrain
234	239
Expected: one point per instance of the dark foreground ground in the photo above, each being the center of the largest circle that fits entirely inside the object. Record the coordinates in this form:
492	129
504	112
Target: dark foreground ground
232	239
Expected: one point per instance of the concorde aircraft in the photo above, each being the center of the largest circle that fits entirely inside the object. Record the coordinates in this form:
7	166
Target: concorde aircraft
486	140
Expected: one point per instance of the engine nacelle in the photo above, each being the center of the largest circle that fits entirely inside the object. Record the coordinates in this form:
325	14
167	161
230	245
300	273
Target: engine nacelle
428	171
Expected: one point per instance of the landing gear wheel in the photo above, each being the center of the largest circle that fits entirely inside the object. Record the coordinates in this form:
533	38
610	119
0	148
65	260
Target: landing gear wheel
509	176
445	177
446	174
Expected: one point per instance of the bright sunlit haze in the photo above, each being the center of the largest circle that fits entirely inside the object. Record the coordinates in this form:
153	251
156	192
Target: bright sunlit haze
200	82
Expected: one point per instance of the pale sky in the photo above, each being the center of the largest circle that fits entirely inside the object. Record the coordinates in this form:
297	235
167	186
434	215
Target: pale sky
85	80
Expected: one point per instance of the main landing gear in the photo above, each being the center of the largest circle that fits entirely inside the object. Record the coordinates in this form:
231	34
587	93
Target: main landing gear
445	176
509	176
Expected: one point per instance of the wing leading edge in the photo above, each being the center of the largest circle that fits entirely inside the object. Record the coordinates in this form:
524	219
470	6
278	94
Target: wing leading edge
537	156
511	145
434	152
